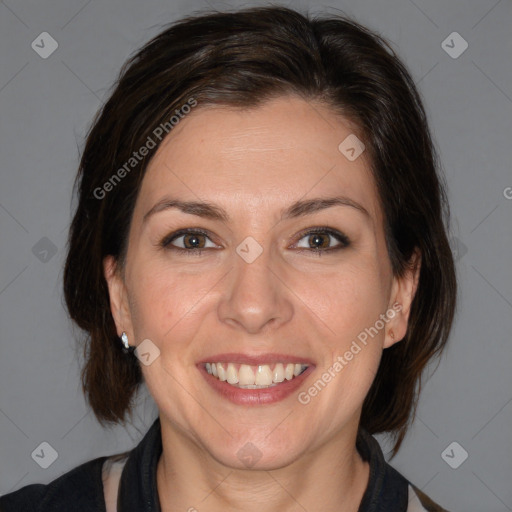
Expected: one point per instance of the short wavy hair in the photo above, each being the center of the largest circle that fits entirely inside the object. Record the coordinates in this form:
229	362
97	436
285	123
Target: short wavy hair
242	59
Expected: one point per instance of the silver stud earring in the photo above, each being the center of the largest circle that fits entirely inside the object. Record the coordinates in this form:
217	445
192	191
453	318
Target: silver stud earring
124	339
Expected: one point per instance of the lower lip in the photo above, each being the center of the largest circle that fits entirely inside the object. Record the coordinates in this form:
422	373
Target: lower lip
241	396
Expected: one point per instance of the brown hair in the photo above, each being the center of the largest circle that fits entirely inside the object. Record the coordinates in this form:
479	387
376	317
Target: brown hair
242	59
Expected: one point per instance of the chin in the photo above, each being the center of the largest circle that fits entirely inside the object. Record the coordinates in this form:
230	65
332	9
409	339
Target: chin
258	450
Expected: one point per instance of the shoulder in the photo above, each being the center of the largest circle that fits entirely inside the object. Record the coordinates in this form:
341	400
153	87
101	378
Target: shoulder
388	490
80	489
417	501
412	500
420	502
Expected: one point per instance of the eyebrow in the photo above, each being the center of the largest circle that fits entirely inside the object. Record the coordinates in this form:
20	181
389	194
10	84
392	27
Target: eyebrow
211	211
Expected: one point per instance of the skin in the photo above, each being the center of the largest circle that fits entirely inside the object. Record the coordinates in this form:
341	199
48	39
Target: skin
253	163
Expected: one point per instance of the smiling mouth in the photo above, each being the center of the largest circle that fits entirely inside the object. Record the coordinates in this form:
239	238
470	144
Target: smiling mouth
255	377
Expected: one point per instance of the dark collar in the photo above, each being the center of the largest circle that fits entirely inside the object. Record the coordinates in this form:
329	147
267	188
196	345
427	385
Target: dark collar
138	486
387	490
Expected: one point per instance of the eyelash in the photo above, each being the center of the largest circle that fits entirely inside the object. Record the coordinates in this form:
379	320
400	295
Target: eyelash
340	237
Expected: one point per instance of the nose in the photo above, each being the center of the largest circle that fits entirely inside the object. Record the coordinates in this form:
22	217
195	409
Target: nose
255	295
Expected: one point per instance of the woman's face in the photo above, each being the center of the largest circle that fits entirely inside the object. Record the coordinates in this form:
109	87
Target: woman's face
251	285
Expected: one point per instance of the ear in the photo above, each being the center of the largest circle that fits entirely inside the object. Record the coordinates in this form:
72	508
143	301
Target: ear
119	304
403	291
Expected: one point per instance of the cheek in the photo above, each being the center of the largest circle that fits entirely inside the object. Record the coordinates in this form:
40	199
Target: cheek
356	378
347	301
152	298
166	302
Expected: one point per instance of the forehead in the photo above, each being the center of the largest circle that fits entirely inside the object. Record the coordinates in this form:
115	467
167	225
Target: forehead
260	158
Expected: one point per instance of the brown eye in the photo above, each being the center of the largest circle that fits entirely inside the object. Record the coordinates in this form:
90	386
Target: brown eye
320	240
193	241
190	241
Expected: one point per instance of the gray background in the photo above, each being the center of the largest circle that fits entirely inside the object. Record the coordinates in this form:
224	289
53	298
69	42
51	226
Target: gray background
46	106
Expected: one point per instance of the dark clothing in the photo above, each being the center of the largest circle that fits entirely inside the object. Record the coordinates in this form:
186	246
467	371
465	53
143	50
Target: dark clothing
81	489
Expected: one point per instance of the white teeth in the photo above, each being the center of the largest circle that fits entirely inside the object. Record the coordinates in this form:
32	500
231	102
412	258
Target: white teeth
221	372
246	375
278	373
261	377
231	373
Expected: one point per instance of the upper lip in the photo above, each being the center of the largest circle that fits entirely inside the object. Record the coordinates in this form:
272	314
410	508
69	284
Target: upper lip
255	359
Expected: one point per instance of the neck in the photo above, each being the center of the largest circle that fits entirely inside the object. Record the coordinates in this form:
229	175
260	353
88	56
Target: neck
333	477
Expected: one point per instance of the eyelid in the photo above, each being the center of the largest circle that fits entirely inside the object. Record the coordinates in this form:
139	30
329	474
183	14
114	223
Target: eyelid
338	235
343	239
166	241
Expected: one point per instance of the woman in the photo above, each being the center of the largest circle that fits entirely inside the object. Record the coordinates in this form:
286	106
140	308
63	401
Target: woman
260	238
